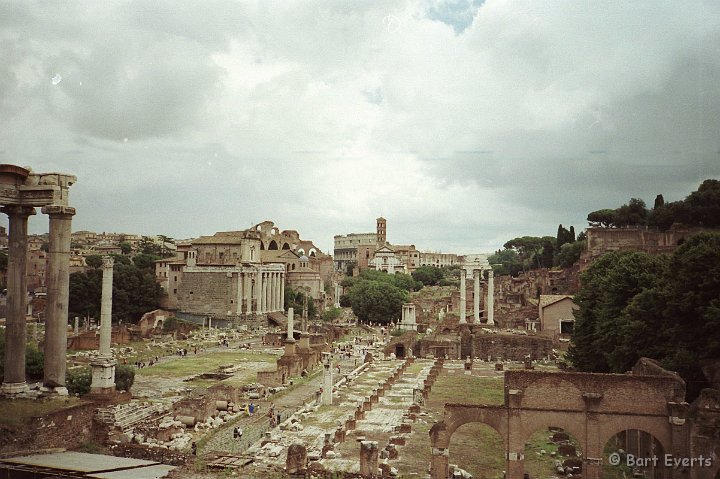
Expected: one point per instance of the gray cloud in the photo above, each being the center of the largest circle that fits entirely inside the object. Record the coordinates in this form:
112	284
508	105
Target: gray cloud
465	124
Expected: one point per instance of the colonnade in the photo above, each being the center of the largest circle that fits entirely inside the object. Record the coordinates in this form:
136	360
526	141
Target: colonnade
260	291
21	191
477	273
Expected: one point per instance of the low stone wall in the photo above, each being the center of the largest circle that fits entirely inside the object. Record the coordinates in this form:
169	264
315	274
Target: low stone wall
511	346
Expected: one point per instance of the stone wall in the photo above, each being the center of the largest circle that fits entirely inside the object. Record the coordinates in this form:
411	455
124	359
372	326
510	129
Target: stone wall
205	292
510	346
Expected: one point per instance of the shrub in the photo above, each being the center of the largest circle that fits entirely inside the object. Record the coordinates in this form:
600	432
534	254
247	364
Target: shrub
396	332
34	361
124	377
78	380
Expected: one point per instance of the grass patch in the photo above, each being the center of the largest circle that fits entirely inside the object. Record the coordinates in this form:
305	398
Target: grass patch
460	388
20	411
182	367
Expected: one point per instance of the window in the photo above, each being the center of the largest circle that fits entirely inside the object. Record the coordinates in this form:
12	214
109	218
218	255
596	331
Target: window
566	326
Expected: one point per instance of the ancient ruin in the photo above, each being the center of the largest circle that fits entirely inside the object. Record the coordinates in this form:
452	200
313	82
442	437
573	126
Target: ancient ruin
21	191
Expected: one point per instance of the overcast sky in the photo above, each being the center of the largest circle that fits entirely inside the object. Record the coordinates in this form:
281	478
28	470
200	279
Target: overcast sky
464	123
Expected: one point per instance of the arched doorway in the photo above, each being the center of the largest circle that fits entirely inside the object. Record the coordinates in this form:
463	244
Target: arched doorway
478	449
549	451
634	453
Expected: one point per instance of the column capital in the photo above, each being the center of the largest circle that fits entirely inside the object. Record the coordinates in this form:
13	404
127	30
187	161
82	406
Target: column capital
18	210
108	262
58	210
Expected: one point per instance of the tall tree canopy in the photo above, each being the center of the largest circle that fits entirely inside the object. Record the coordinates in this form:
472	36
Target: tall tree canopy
668	308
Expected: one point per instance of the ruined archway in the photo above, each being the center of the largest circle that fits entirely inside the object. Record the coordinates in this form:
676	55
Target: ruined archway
552	451
632	452
273	245
478	449
285	246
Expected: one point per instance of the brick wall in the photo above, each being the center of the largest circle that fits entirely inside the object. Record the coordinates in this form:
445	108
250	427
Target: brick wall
205	292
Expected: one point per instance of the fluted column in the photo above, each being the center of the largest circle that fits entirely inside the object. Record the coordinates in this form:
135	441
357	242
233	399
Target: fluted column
282	291
58	292
275	291
106	308
463	306
15	331
263	292
248	293
258	292
239	296
278	291
491	298
476	296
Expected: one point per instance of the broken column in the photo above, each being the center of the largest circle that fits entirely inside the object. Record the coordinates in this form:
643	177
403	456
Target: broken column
461	312
327	379
58	292
476	296
103	368
491	297
368	458
14	382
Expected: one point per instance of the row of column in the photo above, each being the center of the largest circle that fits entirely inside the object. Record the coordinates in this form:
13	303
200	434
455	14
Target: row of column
58	288
476	296
267	288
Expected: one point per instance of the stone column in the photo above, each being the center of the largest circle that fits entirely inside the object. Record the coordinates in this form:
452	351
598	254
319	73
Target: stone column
290	323
282	291
476	296
258	292
276	291
106	308
368	458
58	292
14	382
103	367
239	296
491	298
248	293
327	379
337	295
463	306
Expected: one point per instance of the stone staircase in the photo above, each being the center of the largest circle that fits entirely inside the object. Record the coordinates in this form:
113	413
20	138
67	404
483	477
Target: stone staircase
124	417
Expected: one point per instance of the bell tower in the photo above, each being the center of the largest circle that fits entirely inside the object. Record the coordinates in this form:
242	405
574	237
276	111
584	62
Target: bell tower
381	231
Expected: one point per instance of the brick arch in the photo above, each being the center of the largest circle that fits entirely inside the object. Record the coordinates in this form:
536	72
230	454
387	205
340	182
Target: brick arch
660	430
460	414
573	424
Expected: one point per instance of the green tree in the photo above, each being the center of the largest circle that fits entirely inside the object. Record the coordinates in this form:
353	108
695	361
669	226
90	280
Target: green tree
569	253
377	301
94	261
705	204
506	261
145	261
125	248
528	249
135	291
659	202
331	314
605	218
633	213
295	299
608	286
428	275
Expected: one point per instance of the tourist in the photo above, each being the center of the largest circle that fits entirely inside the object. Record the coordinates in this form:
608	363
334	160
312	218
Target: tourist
193	449
251	408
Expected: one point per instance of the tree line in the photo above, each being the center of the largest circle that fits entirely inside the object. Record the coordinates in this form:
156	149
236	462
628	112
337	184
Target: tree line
634	304
700	208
